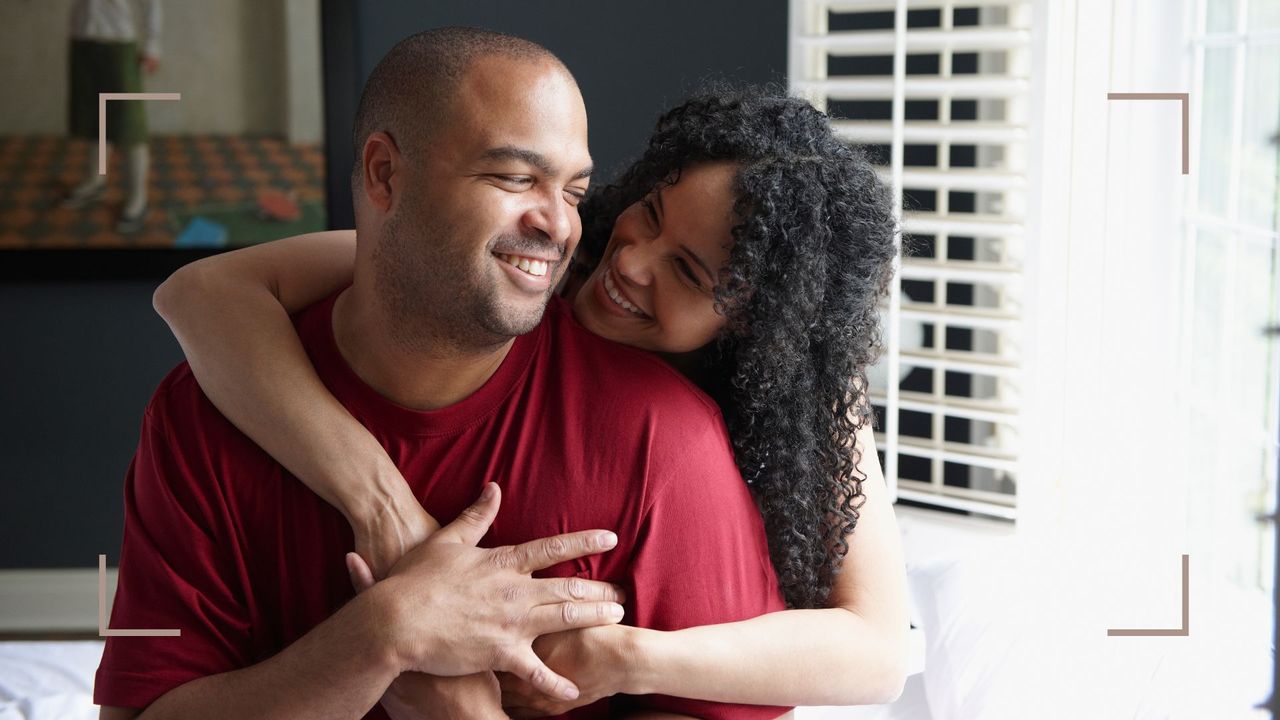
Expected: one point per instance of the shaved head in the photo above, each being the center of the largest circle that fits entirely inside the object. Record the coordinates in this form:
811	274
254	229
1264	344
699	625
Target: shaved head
411	91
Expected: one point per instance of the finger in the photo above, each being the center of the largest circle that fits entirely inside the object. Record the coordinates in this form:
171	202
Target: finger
545	552
528	666
359	572
546	619
474	522
553	590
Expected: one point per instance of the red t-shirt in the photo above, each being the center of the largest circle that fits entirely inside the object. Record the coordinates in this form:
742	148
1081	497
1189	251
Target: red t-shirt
224	544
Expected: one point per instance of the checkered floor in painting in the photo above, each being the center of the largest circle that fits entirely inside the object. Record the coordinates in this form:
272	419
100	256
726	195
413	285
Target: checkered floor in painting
188	173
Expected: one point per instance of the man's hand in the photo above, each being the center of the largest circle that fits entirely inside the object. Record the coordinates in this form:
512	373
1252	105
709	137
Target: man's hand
455	609
415	696
595	658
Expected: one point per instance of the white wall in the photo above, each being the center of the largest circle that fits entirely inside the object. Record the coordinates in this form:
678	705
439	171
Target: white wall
230	59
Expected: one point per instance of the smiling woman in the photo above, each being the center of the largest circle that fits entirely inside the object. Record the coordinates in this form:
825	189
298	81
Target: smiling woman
653	287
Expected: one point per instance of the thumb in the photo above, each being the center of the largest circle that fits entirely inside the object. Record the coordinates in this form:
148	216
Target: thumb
474	522
358	570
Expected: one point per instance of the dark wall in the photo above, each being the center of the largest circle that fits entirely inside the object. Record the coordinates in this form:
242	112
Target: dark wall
78	361
632	60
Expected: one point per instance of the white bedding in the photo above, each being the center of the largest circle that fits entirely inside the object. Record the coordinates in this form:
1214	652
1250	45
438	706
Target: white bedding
48	680
1013	635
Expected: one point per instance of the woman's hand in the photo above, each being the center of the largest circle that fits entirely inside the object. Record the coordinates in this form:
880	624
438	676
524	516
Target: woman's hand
596	659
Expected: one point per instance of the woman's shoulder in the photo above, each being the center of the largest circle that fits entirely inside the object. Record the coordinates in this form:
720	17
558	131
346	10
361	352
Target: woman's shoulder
625	376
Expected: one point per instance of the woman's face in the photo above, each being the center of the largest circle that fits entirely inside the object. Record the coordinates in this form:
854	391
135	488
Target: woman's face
653	288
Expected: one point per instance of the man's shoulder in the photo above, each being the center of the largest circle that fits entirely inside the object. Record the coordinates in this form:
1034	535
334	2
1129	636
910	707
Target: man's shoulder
181	412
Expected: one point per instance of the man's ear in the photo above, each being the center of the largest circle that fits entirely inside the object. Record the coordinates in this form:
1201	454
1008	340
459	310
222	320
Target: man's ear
381	161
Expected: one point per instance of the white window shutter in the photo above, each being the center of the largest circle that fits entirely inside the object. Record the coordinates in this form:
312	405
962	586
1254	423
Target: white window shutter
938	92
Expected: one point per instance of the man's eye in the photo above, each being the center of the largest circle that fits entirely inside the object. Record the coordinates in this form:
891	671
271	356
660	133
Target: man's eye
575	196
515	179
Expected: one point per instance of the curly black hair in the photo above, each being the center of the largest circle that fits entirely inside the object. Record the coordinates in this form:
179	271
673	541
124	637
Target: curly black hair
812	254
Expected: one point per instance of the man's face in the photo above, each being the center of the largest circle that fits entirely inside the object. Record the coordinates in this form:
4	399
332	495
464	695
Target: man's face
486	219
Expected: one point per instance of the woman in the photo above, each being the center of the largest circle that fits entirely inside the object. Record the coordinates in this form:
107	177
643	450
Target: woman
749	247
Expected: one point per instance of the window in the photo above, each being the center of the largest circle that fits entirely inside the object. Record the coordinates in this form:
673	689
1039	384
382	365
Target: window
1230	277
937	92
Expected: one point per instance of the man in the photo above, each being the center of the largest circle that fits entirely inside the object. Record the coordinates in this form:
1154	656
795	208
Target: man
473	155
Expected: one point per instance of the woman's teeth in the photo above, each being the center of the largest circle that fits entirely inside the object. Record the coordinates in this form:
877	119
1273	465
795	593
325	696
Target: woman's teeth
537	268
617	298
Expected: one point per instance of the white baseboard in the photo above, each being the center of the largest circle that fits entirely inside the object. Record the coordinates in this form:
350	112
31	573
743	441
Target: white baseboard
52	601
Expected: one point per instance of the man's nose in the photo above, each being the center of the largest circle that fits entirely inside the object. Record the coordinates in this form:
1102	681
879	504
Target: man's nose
551	215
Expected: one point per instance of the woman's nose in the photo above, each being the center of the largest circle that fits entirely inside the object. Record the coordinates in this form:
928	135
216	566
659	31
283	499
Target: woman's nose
633	261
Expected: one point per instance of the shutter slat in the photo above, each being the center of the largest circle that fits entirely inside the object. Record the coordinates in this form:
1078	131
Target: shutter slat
978	133
918	87
962	317
971	225
1001	506
960	179
961	361
843	6
984	410
866	42
961	271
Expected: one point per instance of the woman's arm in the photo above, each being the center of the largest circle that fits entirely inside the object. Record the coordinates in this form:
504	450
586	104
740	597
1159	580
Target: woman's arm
230	313
851	653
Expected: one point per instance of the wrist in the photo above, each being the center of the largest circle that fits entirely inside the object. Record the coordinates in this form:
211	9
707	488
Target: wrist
378	629
383	611
640	656
383	490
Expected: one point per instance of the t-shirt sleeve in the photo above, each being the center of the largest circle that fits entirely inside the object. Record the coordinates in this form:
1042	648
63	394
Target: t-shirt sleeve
701	556
178	569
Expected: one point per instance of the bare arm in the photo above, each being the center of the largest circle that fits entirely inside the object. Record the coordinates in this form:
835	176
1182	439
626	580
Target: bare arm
338	670
450	609
851	653
230	313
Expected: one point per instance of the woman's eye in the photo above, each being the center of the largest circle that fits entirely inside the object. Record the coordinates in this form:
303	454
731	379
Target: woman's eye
688	272
648	208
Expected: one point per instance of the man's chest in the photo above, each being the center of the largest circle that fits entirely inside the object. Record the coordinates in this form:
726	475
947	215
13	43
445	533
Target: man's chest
294	543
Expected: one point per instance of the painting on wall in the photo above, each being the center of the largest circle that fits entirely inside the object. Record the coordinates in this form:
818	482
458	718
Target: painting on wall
207	150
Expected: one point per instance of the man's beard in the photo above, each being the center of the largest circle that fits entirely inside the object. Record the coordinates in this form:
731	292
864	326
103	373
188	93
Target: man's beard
436	298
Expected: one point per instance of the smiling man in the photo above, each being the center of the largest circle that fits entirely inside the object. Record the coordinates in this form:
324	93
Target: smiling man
451	349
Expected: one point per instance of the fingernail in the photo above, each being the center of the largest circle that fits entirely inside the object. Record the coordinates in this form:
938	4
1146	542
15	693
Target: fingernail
569	693
615	612
489	490
607	540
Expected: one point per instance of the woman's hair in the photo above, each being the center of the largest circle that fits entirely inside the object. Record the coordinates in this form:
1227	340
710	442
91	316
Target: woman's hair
813	253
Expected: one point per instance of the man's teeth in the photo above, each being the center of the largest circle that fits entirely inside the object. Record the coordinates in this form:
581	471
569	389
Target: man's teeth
617	297
537	268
